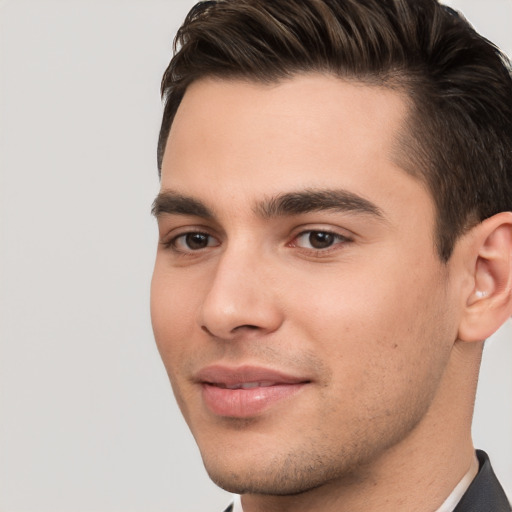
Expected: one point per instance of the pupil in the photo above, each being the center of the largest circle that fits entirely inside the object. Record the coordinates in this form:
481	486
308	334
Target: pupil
197	241
321	240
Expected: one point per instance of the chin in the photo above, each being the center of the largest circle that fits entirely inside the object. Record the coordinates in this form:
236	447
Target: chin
268	473
273	483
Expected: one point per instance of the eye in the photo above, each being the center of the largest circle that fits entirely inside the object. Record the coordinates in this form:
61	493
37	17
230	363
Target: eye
194	241
318	240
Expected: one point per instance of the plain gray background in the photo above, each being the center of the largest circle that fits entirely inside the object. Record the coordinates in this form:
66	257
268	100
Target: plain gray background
87	419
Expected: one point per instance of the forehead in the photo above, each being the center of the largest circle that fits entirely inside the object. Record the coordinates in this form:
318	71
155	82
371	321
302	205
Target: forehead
234	138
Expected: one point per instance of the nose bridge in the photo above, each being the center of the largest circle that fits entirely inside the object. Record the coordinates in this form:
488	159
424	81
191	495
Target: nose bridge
241	294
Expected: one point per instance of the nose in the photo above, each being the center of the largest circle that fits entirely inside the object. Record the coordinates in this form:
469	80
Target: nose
241	301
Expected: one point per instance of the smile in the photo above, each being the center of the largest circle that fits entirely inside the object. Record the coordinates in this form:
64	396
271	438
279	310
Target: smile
247	391
247	385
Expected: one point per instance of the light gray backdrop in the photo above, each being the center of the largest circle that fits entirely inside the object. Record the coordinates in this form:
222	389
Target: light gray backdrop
87	420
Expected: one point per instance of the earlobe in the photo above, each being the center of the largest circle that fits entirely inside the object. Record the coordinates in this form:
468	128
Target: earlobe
489	303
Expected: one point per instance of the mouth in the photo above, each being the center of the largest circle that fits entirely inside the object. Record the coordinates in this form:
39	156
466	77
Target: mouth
244	385
245	392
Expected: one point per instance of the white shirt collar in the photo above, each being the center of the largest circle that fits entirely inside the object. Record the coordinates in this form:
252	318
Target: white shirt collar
448	506
237	504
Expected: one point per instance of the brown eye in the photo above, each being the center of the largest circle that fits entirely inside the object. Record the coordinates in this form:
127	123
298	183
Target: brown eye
319	240
196	241
193	241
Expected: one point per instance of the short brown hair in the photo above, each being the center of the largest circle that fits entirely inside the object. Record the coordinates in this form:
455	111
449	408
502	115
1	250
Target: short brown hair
458	138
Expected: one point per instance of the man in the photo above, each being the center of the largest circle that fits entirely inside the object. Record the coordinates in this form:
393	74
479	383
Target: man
335	246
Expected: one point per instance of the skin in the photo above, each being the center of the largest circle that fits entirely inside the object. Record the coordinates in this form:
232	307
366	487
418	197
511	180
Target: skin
371	321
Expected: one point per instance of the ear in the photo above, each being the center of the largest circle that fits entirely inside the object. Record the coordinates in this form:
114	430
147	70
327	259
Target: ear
489	303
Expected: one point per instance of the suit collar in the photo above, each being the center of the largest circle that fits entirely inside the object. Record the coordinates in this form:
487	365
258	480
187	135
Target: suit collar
485	493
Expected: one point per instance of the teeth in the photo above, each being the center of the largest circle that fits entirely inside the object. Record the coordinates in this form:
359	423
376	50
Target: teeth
249	385
266	384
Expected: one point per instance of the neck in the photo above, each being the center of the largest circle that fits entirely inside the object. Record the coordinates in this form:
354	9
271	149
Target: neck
418	473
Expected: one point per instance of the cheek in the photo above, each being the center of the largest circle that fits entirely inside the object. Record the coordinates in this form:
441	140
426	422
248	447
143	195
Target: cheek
173	313
384	353
379	323
172	317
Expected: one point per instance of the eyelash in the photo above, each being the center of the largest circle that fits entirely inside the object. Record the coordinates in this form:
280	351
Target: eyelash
172	244
334	241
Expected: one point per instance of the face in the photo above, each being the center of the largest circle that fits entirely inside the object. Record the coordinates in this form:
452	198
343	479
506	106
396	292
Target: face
298	301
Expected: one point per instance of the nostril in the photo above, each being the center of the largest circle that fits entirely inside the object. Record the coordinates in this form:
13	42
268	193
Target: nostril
239	328
247	326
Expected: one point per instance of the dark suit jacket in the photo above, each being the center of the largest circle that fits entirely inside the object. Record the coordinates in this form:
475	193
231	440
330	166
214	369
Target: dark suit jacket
485	493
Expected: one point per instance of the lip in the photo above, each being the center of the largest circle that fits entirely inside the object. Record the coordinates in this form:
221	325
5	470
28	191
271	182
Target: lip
245	391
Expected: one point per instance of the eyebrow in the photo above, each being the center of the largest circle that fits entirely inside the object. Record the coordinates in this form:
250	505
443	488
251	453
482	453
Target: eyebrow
174	203
282	205
305	201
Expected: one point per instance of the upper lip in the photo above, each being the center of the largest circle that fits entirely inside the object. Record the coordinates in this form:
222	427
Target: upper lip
232	376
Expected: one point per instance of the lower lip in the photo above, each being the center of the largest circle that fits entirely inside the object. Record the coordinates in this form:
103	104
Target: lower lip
244	403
